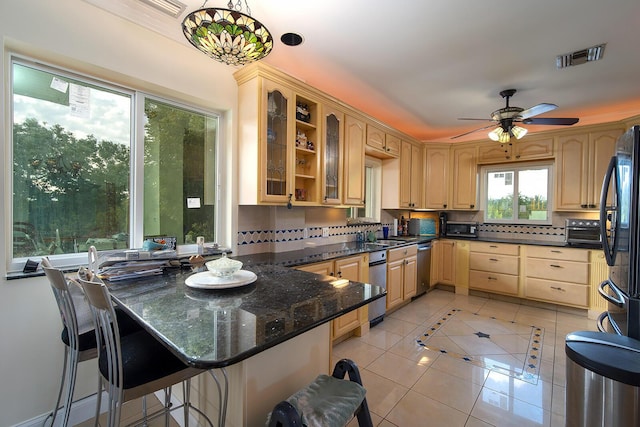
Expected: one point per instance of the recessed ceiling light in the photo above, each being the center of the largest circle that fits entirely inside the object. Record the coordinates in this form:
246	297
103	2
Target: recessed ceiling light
578	57
291	39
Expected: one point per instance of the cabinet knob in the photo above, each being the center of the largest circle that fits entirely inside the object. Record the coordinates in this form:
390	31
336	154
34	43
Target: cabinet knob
472	206
444	206
340	274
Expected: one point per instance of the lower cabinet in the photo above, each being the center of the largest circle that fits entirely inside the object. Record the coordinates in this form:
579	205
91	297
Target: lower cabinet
354	268
402	275
443	262
493	267
558	275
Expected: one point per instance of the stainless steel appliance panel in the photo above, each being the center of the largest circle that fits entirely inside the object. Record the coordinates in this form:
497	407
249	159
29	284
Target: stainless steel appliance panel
619	229
424	267
378	277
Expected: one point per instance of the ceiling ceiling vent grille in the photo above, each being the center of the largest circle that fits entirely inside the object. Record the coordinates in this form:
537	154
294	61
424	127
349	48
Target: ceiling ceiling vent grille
578	57
172	8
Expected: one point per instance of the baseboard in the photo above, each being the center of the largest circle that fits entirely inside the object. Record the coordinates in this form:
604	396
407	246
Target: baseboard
85	409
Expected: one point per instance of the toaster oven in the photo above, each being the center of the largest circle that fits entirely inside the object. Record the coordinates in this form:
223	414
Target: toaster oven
582	232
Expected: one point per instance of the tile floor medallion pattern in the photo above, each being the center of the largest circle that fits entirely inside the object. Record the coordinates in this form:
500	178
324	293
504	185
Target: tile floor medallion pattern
457	330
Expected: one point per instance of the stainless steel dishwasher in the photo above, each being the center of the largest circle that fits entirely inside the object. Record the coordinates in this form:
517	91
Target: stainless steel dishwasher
424	268
378	277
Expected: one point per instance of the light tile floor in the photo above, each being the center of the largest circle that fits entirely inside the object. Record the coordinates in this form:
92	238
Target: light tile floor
409	384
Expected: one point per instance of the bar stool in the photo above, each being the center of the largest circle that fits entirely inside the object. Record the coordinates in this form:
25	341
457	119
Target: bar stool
134	365
328	401
78	334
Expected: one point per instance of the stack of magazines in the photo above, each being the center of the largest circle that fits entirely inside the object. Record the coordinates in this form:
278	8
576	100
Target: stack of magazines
134	264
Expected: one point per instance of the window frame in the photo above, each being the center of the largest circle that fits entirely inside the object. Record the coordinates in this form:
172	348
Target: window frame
516	167
136	167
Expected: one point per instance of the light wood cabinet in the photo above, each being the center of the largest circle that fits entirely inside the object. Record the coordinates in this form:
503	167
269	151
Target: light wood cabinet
581	162
464	191
494	267
402	275
332	153
520	150
451	178
402	179
355	268
354	141
280	154
557	275
436	182
410	176
443	262
381	144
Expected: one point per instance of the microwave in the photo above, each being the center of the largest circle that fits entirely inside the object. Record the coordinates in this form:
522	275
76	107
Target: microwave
461	229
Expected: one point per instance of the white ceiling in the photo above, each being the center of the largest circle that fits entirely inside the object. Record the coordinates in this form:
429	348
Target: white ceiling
419	65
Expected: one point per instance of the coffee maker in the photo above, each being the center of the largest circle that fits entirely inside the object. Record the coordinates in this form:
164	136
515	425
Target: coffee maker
442	224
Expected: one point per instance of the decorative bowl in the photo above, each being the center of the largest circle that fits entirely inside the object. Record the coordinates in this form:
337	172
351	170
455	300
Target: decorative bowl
223	266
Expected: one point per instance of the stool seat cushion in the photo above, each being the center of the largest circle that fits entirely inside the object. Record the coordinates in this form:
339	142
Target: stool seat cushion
137	349
327	401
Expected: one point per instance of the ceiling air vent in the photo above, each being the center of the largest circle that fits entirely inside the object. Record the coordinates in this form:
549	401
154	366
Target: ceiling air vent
170	7
578	57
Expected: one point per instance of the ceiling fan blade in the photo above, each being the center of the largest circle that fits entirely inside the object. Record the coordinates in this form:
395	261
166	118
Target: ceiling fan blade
551	121
472	131
468	118
537	109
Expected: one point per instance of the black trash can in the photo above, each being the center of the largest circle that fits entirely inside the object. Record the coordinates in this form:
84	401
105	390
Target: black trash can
603	380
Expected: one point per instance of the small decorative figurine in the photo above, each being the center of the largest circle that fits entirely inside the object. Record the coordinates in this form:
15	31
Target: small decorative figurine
302	112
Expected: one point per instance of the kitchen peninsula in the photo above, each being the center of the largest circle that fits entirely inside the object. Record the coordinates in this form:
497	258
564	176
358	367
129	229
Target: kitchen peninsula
271	336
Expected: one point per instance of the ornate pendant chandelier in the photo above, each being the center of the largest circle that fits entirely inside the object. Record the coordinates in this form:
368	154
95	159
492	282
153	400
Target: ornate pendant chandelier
228	35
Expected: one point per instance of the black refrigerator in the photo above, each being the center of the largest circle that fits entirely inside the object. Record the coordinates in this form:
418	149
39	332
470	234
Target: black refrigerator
620	225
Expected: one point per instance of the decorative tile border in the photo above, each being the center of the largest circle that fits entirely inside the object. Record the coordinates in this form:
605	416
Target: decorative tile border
249	237
541	230
530	371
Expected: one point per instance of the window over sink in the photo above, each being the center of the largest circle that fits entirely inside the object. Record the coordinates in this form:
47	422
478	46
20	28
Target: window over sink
372	192
517	194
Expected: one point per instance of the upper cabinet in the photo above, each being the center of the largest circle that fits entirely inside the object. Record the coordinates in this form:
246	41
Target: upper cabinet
299	146
354	136
464	191
332	166
451	177
522	150
381	144
581	163
436	182
402	178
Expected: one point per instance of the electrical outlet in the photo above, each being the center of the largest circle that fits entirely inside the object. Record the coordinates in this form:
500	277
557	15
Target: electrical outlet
305	233
325	231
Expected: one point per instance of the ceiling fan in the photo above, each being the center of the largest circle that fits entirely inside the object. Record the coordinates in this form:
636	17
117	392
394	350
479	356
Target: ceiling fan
507	118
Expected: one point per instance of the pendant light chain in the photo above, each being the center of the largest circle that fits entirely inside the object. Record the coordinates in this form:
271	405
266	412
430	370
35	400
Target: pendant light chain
238	6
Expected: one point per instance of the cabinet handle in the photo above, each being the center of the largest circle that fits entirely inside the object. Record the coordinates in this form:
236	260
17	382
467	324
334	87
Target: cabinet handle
555	251
493	246
555	266
557	288
592	206
493	259
492	278
583	206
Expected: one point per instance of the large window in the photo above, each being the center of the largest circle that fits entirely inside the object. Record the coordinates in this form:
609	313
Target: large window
517	194
79	179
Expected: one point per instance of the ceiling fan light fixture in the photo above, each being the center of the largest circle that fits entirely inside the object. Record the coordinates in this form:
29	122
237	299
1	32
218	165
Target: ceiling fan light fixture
497	134
228	35
518	131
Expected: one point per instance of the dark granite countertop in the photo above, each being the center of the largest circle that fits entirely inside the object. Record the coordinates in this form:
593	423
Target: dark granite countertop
321	253
527	242
216	328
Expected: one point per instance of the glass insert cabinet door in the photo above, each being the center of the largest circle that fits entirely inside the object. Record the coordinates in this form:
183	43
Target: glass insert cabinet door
276	149
332	176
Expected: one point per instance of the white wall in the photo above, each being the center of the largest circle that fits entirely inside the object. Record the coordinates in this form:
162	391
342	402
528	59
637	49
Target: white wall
75	35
